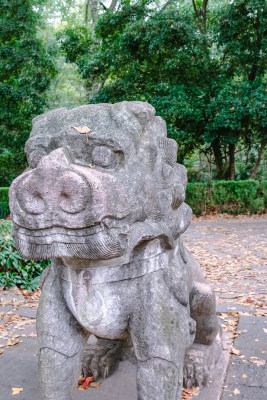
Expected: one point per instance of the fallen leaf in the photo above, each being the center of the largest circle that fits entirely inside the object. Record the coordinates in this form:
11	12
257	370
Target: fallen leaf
236	392
16	390
244	376
95	385
248	300
87	381
195	391
82	387
259	363
235	351
265	330
83	129
1	352
10	343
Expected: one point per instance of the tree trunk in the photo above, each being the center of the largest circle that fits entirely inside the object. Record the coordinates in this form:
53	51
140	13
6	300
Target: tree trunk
113	4
218	157
231	161
94	10
255	169
86	11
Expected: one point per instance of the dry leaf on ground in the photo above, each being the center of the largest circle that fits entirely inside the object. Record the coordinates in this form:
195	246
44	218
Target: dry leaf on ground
86	383
16	390
259	363
235	351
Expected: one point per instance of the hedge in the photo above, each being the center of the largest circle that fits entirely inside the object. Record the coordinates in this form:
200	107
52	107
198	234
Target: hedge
4	205
233	197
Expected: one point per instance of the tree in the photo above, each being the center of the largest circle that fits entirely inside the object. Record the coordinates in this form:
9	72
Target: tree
242	35
200	67
151	55
26	69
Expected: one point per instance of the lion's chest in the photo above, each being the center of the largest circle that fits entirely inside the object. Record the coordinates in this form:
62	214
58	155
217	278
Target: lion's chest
102	299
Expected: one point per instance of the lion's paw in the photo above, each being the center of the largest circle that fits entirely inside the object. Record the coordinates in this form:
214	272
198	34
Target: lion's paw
99	358
196	372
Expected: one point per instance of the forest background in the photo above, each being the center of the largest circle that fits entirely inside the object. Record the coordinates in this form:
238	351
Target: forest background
200	63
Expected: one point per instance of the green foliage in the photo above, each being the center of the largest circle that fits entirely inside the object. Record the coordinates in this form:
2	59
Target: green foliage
26	68
4	202
243	34
67	89
14	270
208	84
75	42
230	197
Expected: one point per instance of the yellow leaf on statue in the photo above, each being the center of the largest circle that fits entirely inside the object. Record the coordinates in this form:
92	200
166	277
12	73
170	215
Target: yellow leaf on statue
83	129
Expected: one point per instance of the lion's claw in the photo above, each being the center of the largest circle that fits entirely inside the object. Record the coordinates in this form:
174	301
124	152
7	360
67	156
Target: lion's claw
100	358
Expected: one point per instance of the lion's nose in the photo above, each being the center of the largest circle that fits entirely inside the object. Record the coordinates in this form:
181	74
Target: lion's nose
29	197
72	194
67	191
52	186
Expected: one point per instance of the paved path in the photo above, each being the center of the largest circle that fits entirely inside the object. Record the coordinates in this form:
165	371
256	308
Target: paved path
241	290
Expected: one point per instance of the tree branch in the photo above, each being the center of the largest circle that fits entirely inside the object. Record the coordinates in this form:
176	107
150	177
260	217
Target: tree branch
86	11
113	4
166	4
103	5
195	7
255	169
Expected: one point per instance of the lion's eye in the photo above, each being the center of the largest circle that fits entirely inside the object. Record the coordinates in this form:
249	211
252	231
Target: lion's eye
103	156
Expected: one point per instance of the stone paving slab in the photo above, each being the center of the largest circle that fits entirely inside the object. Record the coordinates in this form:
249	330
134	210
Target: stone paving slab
244	374
11	297
18	365
18	368
28	312
229	307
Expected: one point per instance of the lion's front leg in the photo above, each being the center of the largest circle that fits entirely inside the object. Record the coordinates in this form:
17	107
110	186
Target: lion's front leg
160	331
158	379
61	340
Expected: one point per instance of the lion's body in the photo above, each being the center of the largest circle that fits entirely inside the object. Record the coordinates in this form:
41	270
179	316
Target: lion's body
108	207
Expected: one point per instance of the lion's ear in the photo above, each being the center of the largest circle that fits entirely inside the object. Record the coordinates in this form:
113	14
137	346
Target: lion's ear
180	175
169	148
182	220
142	111
178	195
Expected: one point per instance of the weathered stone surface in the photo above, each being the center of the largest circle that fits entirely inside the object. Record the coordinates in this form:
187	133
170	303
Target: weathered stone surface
108	207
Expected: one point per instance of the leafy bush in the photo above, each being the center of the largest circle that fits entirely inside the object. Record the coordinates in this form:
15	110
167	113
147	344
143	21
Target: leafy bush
233	197
4	206
15	270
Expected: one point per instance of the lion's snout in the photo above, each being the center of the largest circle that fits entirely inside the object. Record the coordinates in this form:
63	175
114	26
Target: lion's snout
59	193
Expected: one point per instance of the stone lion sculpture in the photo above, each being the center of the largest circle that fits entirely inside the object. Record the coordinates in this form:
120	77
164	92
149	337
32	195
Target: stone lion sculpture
103	197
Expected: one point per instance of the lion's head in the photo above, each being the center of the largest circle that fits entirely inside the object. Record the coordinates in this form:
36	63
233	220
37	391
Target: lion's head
101	180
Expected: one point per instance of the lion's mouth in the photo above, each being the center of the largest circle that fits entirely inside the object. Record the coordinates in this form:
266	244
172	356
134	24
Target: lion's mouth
92	243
